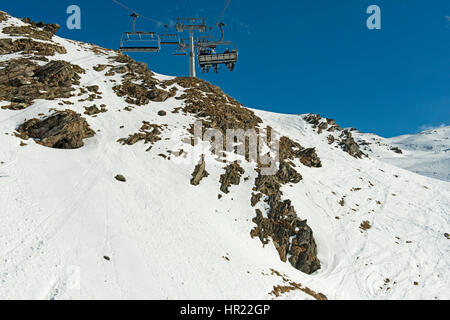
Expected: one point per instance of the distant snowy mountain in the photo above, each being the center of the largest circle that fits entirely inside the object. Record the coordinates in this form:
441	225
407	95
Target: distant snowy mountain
106	191
426	153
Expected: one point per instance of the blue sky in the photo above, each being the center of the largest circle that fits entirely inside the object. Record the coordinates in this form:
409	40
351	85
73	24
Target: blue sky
314	56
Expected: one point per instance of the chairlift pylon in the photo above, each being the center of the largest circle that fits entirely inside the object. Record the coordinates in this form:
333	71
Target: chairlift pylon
138	41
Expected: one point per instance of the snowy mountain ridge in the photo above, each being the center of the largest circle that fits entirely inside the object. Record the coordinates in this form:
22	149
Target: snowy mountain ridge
95	204
426	153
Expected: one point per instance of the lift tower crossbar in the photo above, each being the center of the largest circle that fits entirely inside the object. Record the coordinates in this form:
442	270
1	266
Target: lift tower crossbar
191	25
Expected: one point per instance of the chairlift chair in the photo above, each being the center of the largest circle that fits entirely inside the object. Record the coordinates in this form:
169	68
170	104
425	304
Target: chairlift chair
138	41
208	57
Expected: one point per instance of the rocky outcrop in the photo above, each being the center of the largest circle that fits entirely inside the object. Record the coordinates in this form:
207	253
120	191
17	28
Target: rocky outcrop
290	150
50	29
62	130
291	236
199	172
22	81
322	124
3	16
149	133
29	46
232	176
348	144
139	94
94	110
210	104
33	30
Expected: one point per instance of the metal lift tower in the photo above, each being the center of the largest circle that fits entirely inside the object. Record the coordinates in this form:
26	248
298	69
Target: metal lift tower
191	25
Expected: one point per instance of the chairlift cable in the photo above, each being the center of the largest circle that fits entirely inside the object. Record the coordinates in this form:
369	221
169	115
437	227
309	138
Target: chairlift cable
136	13
223	11
221	15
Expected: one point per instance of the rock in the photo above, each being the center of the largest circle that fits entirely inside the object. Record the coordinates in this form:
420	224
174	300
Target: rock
331	139
29	46
215	108
397	150
447	236
94	110
162	113
3	16
120	178
199	172
49	28
287	174
232	176
290	235
93	89
365	225
150	133
290	150
139	94
349	145
23	81
62	130
256	198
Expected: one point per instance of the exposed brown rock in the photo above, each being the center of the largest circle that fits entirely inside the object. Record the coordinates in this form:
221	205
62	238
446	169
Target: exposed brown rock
62	130
349	145
232	176
256	197
282	223
365	225
22	81
149	133
217	109
120	178
94	110
199	172
3	16
29	46
290	150
322	124
140	94
46	27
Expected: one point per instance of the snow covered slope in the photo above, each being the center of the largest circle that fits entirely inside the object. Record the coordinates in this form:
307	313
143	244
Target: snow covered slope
426	153
69	230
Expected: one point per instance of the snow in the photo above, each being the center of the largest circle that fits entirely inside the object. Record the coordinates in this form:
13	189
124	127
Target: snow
62	212
426	153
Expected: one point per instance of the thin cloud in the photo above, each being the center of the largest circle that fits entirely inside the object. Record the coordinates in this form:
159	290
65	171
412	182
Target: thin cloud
447	18
426	127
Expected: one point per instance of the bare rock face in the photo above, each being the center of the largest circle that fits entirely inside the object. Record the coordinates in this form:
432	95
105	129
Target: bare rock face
199	172
149	133
290	235
232	176
290	150
29	46
217	109
140	94
3	16
22	81
62	130
49	28
349	145
322	124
